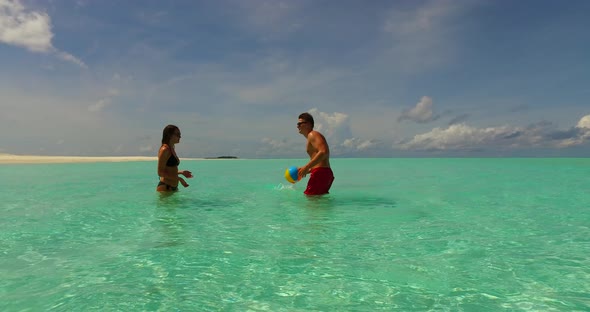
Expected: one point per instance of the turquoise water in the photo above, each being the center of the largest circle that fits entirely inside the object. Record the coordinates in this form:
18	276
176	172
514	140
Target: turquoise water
394	234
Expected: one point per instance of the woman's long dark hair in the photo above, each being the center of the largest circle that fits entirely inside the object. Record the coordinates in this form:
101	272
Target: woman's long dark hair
168	132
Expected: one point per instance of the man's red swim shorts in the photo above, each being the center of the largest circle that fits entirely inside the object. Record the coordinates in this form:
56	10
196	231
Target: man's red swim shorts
320	181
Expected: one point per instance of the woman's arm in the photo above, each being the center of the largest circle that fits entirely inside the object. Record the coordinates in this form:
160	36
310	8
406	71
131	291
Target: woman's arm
183	182
169	172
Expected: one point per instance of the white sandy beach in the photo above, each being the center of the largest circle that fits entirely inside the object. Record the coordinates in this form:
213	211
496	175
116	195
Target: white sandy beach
34	159
37	159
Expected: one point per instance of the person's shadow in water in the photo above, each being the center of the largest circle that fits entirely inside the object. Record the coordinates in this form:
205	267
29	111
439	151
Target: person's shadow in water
168	221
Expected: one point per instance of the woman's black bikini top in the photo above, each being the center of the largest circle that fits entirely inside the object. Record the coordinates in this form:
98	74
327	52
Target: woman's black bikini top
172	161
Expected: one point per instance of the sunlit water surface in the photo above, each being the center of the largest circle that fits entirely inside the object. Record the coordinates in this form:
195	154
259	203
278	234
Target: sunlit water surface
394	234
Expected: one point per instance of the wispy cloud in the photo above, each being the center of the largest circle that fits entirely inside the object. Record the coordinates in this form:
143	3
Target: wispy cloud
271	19
424	35
70	58
30	30
105	101
458	119
279	80
422	21
279	147
99	105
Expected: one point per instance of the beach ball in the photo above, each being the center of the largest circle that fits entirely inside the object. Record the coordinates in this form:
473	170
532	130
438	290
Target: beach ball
291	174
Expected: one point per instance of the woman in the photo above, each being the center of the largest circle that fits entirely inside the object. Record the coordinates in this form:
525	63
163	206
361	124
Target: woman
168	162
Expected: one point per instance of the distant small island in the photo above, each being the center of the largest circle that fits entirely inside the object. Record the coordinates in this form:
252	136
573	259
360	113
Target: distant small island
222	157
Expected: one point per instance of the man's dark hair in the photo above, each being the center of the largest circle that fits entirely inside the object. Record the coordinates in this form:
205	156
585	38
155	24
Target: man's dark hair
307	117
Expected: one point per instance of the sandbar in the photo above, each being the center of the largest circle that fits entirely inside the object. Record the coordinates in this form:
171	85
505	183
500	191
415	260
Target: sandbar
36	159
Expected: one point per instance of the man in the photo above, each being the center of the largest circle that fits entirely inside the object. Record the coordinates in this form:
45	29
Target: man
318	166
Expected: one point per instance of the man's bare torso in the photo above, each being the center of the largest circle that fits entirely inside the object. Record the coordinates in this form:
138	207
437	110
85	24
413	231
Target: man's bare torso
311	151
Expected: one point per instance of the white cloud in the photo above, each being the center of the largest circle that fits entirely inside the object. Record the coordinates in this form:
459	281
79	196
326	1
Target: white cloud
335	125
30	30
458	136
583	134
366	144
421	113
584	122
462	137
569	142
359	144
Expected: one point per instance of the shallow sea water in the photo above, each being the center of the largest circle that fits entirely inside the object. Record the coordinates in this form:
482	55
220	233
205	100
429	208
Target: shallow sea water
394	234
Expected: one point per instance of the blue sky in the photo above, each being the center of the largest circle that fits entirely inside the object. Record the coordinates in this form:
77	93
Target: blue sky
382	78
